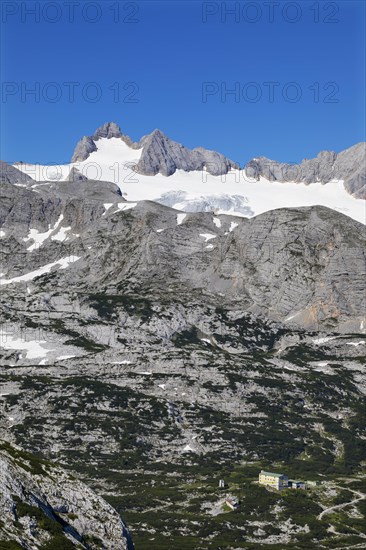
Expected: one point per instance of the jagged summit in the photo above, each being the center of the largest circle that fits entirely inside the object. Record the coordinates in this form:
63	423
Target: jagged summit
87	144
107	130
348	165
160	154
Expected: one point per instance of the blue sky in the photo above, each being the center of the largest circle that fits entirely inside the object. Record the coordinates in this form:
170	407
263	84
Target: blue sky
168	65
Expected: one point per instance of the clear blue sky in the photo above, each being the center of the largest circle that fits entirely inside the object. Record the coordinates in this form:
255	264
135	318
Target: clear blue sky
169	50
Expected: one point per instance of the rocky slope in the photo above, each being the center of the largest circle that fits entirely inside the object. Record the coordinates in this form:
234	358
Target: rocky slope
159	153
162	155
153	352
43	507
304	266
348	165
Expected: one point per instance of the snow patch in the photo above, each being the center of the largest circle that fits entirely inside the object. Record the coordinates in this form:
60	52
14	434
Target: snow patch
319	341
61	234
126	205
293	316
181	218
188	449
362	342
197	191
32	349
39	238
63	263
207	236
217	222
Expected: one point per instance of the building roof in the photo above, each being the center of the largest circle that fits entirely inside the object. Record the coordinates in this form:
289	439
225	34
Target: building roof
273	474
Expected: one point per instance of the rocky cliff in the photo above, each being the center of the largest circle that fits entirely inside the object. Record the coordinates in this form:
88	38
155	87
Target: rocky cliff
43	507
160	154
304	265
152	352
348	165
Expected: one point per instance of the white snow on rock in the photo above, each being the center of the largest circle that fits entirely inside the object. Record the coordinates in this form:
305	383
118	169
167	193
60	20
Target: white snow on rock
61	234
232	226
2	234
63	263
319	341
362	342
181	218
159	230
233	193
188	449
217	222
207	236
107	206
126	205
39	238
32	349
292	316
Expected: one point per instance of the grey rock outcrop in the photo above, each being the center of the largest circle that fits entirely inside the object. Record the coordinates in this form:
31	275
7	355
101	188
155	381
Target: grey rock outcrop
107	130
36	495
83	149
304	265
162	155
55	205
11	174
351	165
151	355
159	154
76	175
348	165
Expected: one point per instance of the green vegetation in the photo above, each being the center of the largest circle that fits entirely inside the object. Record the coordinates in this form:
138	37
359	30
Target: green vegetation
107	305
10	545
24	460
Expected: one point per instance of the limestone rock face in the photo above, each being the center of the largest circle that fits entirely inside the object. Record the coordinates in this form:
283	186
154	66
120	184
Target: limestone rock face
36	494
306	264
55	205
11	174
76	175
107	130
162	155
83	149
349	165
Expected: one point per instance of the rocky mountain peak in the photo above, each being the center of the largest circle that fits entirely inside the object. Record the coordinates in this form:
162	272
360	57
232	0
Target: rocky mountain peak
83	149
163	155
160	154
348	165
107	130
